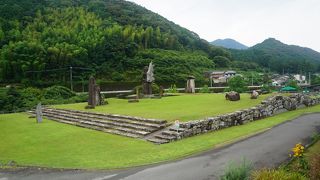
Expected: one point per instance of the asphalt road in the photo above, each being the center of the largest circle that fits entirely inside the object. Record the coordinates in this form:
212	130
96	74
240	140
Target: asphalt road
267	149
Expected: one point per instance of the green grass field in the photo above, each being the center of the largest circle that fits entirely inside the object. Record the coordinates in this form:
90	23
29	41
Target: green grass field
183	107
52	144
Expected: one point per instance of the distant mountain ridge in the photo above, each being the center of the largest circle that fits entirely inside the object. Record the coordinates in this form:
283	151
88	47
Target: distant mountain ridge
229	43
278	56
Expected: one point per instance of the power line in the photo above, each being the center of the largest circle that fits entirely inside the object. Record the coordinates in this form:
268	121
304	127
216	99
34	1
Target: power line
47	70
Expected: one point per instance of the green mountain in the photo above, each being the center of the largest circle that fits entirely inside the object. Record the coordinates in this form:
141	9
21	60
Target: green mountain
111	39
277	56
228	43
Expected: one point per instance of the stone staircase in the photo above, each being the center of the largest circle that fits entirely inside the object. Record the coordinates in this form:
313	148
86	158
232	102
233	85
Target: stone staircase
165	136
135	127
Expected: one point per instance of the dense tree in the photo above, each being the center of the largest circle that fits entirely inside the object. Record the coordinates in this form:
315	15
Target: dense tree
238	84
221	61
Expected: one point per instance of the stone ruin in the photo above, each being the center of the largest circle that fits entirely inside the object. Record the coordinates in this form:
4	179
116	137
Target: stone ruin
269	107
232	96
191	86
95	96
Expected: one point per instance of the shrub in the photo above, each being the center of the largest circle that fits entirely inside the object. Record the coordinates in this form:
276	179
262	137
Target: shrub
154	86
172	89
58	92
31	96
314	171
271	174
11	101
265	88
205	89
234	172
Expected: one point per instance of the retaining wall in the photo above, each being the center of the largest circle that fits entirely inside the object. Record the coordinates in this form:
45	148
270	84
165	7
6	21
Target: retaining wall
268	107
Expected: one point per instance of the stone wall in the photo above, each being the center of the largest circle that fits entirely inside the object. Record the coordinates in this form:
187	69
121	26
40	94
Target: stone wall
268	107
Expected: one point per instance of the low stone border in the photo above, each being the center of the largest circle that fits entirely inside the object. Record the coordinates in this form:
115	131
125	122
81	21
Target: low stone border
267	108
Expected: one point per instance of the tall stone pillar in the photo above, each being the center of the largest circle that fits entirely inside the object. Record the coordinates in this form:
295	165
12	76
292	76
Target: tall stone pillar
191	85
92	93
95	96
147	80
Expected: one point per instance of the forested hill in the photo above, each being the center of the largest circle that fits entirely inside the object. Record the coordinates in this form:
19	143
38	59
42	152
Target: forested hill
229	43
280	57
112	39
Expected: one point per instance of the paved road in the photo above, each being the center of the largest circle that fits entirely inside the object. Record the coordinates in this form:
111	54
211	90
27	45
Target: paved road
267	149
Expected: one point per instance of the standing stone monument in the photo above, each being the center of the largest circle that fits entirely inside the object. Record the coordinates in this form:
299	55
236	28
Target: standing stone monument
39	113
148	78
191	85
95	96
161	91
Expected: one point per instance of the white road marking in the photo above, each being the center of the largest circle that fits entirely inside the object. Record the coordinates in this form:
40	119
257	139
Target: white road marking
102	178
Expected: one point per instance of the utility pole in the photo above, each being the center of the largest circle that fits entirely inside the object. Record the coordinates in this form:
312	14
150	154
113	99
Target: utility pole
251	79
71	85
309	78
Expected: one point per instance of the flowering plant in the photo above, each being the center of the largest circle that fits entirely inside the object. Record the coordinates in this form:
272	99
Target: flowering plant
301	164
298	150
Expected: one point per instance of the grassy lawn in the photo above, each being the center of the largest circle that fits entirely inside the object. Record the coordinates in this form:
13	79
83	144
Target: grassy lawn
52	144
183	107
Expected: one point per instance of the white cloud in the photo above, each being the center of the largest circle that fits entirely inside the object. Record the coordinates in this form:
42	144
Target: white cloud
248	21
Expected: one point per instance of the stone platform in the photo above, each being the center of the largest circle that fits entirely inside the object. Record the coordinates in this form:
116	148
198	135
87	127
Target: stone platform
129	126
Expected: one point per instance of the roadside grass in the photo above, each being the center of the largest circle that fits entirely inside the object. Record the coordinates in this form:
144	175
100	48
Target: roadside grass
315	148
183	107
57	145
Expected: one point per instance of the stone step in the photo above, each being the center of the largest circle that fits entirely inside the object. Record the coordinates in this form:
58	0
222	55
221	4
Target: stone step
157	126
97	128
165	137
111	123
91	123
170	133
177	130
154	124
112	131
158	141
152	121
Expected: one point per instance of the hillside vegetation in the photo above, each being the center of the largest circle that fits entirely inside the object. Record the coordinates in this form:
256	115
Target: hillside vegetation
113	39
280	57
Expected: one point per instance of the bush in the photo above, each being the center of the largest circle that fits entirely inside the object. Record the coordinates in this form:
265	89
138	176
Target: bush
154	86
271	174
31	96
11	101
205	89
234	172
172	89
58	92
265	88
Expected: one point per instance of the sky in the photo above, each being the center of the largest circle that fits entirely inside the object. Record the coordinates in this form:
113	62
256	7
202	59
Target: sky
250	22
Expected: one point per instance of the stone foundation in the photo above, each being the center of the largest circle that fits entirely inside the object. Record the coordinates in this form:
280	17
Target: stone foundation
268	107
